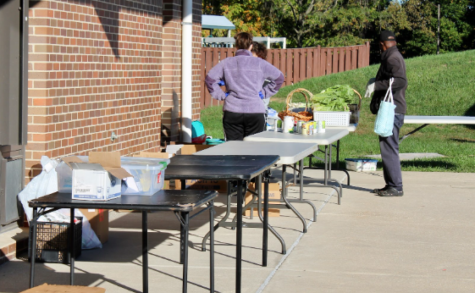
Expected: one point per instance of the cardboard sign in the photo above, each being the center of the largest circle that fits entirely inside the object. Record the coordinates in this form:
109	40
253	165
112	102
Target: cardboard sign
274	195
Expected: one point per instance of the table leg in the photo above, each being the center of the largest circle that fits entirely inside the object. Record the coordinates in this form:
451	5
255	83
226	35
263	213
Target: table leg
33	247
72	254
301	192
186	226
265	232
222	221
183	187
338	154
182	244
287	203
239	237
144	252
211	246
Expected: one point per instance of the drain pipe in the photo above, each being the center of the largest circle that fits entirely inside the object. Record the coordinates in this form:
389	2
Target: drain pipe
186	70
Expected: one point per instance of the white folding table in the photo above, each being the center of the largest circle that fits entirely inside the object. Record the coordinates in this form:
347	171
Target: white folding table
289	153
426	120
326	139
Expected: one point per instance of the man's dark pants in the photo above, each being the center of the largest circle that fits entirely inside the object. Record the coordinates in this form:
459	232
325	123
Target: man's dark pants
389	147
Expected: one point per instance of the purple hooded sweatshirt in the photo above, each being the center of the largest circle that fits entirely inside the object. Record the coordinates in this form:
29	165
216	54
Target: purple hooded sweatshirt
244	76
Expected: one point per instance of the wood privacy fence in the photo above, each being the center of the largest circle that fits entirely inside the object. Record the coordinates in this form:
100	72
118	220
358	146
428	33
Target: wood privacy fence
295	64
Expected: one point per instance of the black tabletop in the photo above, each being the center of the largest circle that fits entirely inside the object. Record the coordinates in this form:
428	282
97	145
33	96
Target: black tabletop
218	167
164	200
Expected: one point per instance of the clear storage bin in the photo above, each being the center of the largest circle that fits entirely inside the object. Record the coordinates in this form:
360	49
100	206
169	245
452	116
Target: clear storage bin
65	175
149	175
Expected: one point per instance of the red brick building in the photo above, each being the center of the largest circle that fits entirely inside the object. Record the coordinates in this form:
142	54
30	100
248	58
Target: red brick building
103	66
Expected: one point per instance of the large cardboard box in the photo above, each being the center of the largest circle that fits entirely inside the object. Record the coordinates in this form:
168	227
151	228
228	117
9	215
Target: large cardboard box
274	196
99	220
46	288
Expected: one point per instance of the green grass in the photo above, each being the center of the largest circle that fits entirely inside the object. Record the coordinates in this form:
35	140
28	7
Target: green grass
442	85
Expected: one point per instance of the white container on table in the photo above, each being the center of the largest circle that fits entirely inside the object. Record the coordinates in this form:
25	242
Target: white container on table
149	175
332	118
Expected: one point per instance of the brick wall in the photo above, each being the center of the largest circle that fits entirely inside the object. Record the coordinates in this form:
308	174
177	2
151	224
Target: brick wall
97	67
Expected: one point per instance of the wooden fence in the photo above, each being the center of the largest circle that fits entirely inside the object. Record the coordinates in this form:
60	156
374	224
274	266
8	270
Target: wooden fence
295	64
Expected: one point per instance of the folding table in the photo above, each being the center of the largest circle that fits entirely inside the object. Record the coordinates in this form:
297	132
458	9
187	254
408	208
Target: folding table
181	202
215	166
426	120
289	154
326	139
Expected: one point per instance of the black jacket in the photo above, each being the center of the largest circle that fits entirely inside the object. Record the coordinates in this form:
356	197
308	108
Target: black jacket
392	65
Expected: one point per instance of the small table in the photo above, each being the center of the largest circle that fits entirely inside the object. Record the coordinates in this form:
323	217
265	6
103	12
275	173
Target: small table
215	166
289	154
181	202
326	139
426	120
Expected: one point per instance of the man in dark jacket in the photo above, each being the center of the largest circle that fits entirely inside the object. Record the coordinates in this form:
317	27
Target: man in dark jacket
392	66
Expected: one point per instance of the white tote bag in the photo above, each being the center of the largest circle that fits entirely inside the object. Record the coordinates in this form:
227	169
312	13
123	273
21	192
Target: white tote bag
383	126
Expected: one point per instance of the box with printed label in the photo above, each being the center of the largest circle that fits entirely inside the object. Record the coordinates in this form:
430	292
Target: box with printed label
93	182
99	179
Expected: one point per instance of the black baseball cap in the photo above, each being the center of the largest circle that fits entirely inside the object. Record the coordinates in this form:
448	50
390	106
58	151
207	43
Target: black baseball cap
387	36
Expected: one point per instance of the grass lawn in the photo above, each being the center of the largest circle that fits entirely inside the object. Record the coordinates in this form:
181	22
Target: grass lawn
442	85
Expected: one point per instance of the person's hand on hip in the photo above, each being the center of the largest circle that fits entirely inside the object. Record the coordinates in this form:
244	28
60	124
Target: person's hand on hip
370	88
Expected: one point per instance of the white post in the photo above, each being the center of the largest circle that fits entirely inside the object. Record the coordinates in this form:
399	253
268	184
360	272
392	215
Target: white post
186	70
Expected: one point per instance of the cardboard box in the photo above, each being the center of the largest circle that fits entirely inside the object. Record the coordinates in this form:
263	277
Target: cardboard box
46	288
100	179
154	155
186	149
274	196
99	220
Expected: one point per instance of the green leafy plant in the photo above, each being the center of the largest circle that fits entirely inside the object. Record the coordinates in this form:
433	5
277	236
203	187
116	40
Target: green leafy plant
335	98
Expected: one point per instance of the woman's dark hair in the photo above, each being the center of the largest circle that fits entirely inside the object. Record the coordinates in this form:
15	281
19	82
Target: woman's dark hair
243	40
259	49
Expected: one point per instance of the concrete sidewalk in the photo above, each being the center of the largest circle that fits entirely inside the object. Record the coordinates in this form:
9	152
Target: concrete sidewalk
421	242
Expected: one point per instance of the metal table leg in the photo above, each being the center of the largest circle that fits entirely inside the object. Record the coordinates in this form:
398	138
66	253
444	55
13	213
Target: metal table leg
144	252
186	228
239	237
33	224
265	229
72	253
211	246
221	222
287	203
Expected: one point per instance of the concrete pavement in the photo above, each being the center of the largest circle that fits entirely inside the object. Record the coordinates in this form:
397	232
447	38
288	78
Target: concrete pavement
421	242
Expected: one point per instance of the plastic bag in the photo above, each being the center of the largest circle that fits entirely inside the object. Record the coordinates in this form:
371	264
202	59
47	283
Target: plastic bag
47	183
384	124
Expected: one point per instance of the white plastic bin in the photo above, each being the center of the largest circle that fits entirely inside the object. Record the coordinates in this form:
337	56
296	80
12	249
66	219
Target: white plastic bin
361	165
149	175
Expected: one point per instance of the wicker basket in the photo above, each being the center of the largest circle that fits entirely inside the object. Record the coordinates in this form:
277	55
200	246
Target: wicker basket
300	116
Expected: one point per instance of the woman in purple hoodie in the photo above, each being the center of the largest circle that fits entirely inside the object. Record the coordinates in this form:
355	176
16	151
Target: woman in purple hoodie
244	76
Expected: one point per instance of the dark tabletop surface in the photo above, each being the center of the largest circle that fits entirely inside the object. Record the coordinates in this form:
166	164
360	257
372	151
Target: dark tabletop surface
164	200
218	167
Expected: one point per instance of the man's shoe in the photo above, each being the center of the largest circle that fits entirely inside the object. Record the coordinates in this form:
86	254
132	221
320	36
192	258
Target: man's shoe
378	190
391	191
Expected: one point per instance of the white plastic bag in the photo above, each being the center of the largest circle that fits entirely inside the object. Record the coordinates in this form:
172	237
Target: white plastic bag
47	183
41	185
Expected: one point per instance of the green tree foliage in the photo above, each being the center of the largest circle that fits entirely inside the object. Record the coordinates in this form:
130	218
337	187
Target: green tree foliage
308	23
